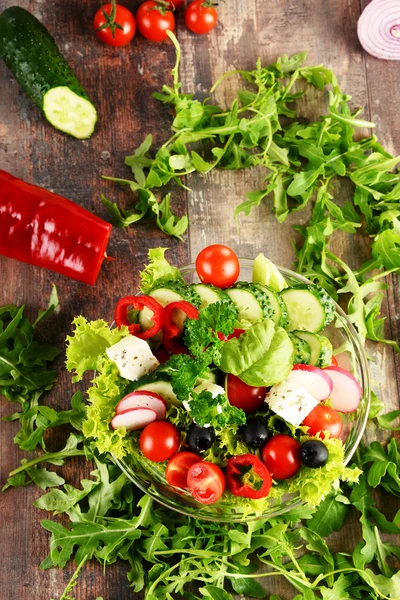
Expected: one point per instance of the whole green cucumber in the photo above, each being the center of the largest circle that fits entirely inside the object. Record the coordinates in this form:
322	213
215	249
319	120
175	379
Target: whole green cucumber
32	55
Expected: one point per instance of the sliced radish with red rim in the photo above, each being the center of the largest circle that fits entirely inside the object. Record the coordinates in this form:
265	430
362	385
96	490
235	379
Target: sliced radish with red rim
346	392
134	419
316	381
143	399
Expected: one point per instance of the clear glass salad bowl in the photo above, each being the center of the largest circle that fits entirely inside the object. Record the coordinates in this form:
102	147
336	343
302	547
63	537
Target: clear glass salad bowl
149	477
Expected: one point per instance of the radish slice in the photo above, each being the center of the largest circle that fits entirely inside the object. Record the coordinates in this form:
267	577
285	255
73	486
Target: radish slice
317	383
143	399
379	29
346	392
133	419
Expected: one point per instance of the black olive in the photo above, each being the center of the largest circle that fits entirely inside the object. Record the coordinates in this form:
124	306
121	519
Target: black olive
255	433
314	454
199	438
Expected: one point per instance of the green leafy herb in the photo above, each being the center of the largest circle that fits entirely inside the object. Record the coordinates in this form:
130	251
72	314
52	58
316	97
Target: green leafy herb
157	271
206	409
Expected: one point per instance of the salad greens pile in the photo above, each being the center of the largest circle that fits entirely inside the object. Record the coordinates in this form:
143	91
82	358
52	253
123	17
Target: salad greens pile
304	160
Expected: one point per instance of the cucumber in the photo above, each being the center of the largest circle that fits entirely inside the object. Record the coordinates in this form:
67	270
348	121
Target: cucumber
310	307
302	350
155	383
252	303
209	294
165	293
209	377
33	57
320	346
280	309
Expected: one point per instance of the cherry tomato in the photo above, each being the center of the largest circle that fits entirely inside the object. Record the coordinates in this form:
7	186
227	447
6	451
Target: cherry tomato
281	456
153	21
334	362
200	16
112	35
206	482
244	396
178	467
218	265
161	355
159	441
323	418
174	4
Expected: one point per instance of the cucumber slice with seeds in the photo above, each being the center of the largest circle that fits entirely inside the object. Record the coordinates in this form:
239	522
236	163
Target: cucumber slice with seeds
252	303
280	309
310	307
320	346
69	112
209	294
302	350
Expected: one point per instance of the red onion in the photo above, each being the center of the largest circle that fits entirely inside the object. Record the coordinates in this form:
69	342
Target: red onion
379	29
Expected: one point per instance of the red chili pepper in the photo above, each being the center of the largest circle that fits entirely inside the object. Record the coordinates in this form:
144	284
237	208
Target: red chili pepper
47	230
139	302
171	330
246	476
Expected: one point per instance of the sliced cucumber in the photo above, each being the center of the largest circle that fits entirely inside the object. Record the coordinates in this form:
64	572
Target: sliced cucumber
209	377
69	112
320	346
209	294
165	293
302	350
252	303
154	383
280	309
310	307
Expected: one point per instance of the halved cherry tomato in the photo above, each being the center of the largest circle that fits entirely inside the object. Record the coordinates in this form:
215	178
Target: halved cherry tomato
159	441
334	362
218	265
153	21
201	16
178	466
244	396
281	456
114	29
206	482
323	418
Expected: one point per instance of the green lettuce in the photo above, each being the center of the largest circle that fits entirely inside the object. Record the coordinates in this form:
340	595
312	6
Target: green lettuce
262	356
158	270
87	345
266	273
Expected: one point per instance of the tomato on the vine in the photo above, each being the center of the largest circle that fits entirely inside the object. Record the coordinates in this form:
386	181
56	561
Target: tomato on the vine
323	418
201	16
244	396
178	466
159	441
281	456
218	265
153	21
114	24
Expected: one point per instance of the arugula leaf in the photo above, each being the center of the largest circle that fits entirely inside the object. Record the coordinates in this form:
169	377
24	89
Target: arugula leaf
330	515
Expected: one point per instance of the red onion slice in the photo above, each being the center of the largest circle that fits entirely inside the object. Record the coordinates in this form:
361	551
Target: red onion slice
379	29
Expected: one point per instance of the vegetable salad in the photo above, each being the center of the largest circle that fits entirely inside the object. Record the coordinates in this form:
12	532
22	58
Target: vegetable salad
228	389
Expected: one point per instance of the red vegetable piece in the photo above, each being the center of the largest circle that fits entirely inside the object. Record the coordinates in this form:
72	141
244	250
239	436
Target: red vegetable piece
247	477
46	230
178	467
206	482
281	456
139	302
379	29
171	330
159	441
244	396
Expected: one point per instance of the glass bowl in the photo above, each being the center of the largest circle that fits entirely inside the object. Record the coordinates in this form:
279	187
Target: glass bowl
149	477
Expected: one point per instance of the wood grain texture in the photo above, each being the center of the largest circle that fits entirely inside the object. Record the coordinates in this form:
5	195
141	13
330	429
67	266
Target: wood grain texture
121	81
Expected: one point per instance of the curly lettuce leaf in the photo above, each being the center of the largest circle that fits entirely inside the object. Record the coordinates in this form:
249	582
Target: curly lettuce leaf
87	345
262	356
158	270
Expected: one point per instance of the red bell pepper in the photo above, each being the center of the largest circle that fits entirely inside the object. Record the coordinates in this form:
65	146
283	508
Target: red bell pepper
139	302
246	476
47	230
171	330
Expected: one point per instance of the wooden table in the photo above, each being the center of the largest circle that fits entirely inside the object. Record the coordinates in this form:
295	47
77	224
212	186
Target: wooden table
121	82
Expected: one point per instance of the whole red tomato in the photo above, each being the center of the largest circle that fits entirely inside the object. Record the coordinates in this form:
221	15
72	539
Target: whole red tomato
153	21
159	441
108	21
323	418
178	466
244	396
218	265
201	16
281	456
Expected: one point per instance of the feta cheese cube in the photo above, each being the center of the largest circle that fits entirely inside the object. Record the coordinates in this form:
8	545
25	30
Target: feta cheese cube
290	402
213	388
133	357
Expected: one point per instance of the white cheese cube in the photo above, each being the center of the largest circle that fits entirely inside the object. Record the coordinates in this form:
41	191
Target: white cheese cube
213	388
290	402
133	357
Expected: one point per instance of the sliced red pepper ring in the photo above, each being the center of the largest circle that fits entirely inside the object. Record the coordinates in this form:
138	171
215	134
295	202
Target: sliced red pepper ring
171	331
139	302
246	476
